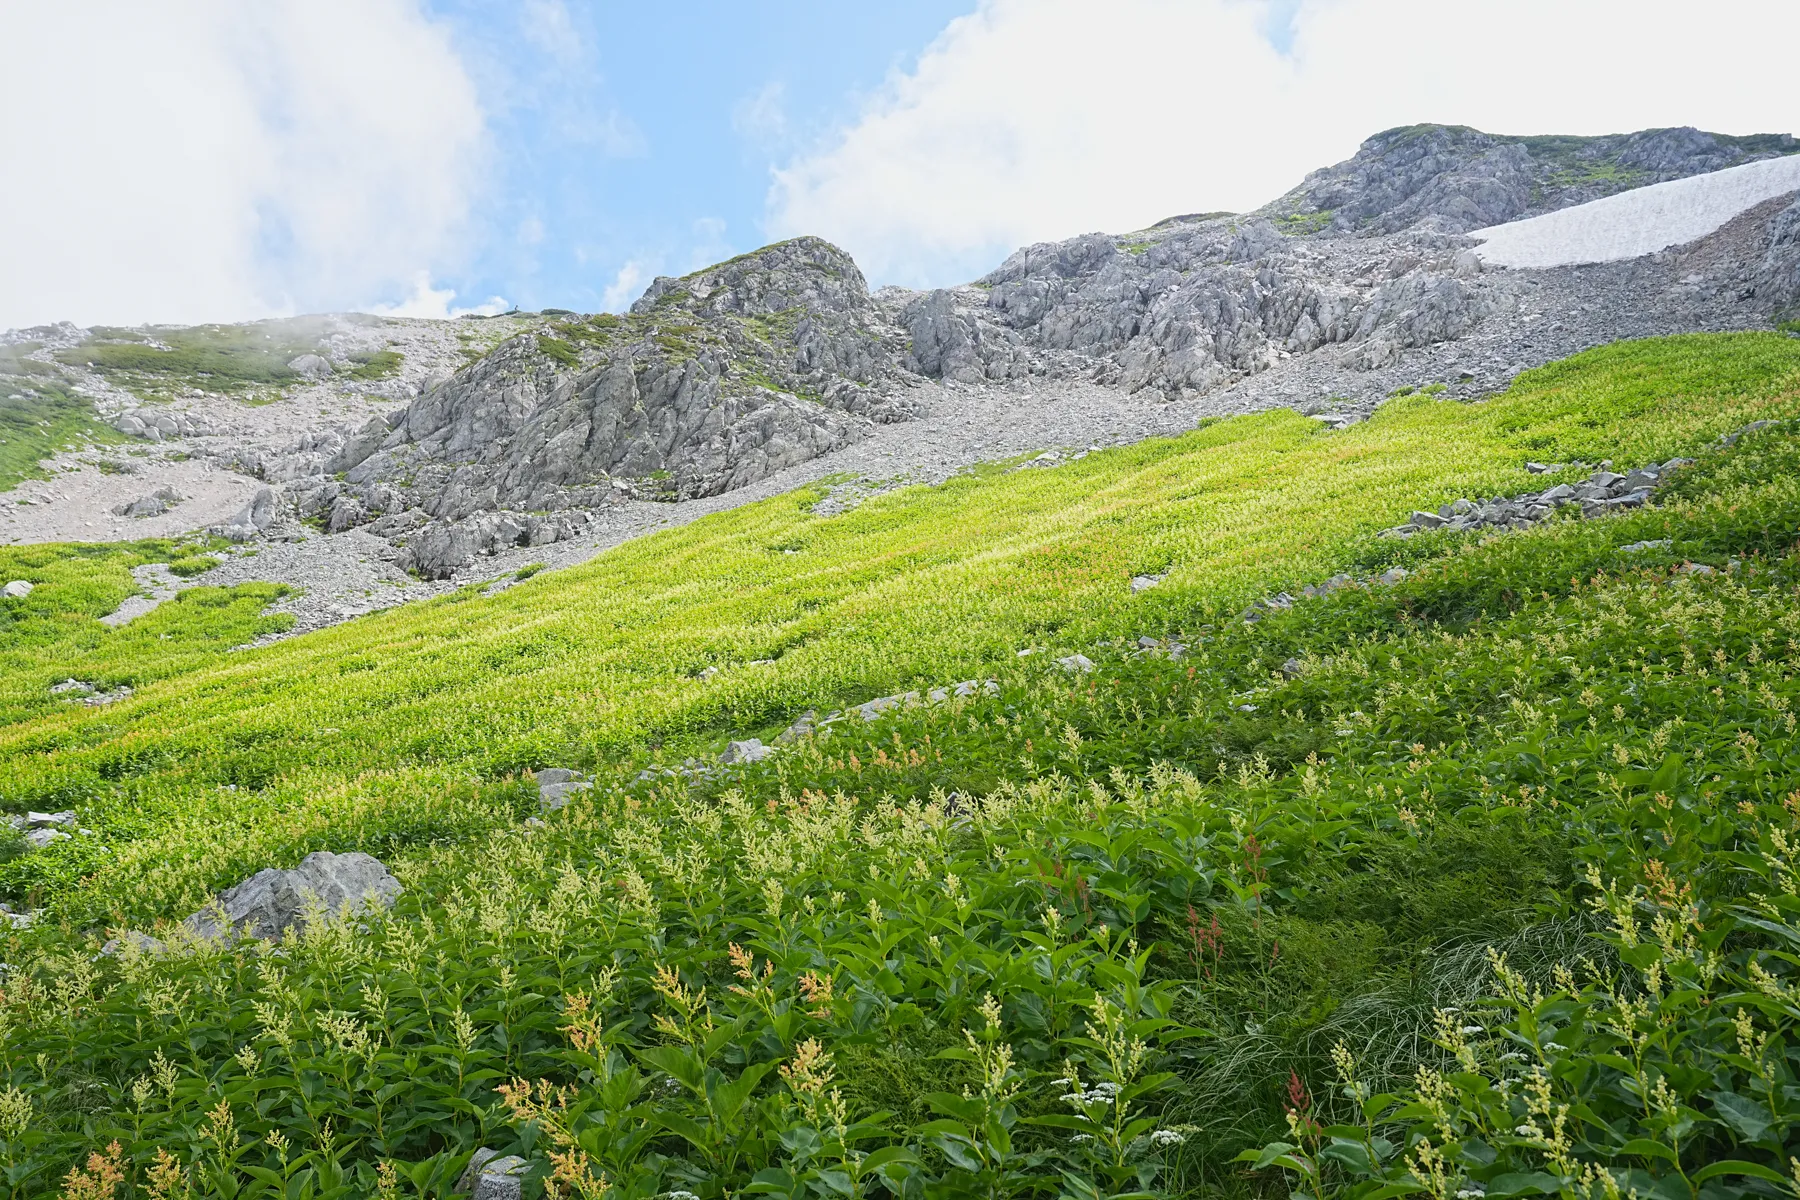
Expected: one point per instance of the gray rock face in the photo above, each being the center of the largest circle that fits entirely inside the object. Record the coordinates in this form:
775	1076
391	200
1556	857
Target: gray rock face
272	900
1464	179
1360	264
1357	282
1778	277
18	589
712	382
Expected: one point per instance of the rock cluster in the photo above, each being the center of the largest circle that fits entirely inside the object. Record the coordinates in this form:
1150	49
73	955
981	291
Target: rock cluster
79	692
1603	492
43	829
713	382
156	425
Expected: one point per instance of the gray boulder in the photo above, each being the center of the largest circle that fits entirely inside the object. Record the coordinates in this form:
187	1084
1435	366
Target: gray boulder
1076	664
18	589
750	750
310	366
273	900
493	1176
557	785
153	505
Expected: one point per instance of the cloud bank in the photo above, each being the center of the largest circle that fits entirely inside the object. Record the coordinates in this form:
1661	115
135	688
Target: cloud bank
209	160
1031	120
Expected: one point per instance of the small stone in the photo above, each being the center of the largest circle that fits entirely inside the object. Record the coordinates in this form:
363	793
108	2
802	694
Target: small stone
1426	520
706	673
1142	583
1639	547
40	820
1078	664
1293	668
39	838
18	589
1392	575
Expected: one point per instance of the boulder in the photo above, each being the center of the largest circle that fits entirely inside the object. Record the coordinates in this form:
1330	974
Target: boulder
803	726
493	1176
310	366
153	505
18	589
557	785
750	750
874	708
1077	664
273	900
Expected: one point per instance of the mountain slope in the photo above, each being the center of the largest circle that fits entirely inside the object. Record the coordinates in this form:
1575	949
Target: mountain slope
1182	896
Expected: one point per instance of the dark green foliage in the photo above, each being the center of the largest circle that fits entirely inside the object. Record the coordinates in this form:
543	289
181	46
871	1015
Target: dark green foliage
558	350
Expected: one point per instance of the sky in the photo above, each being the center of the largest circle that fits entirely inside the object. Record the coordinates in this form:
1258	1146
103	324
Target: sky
202	160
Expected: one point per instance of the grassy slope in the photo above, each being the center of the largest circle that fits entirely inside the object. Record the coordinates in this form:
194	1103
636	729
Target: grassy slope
237	760
1331	865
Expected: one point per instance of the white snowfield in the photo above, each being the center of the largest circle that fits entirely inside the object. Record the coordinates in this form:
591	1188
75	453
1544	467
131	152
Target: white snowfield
1638	222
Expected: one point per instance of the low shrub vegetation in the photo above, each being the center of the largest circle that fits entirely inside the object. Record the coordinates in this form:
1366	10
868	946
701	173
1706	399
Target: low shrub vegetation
1479	883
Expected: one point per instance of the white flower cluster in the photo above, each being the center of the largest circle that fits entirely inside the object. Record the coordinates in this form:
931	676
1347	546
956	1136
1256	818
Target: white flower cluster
1100	1093
1166	1137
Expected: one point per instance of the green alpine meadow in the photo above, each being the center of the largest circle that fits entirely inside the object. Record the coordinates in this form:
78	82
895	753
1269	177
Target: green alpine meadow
1344	853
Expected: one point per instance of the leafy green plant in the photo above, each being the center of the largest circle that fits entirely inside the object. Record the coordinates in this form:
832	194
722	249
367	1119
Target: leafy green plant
1476	881
193	564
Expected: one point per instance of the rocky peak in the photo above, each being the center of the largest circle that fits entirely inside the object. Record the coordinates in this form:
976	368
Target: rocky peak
1456	179
806	274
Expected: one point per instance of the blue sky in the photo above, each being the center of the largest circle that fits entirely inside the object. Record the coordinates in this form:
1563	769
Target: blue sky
639	137
205	160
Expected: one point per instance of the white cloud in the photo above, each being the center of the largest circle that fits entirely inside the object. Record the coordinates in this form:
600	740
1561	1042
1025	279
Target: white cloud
435	303
761	117
209	160
1037	119
625	287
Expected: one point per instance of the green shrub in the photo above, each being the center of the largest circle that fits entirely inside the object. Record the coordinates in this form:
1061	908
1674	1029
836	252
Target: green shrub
191	565
377	364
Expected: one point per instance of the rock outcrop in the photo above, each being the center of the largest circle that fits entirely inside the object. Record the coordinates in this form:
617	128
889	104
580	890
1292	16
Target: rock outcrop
272	900
712	382
1459	179
722	378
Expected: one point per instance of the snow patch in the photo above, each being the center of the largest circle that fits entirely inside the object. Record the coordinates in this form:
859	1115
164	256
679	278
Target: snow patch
1638	222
